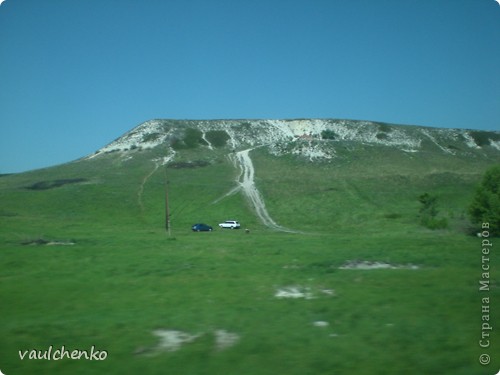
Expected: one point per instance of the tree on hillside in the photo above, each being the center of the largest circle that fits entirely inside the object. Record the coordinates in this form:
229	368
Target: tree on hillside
218	138
328	134
485	206
429	211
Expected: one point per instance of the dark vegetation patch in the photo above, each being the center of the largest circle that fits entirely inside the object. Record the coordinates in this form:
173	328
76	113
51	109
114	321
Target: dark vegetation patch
429	212
392	215
245	125
192	138
383	127
322	266
328	134
218	138
442	178
151	137
383	130
43	241
7	213
482	138
189	164
45	185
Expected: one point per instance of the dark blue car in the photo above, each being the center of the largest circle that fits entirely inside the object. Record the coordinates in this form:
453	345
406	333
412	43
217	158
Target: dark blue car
201	228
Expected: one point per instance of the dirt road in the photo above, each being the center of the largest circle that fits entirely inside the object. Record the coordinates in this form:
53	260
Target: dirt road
246	181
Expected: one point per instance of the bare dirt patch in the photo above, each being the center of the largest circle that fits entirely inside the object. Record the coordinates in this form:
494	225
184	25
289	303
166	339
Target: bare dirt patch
173	340
225	339
294	292
321	324
44	242
247	183
374	265
301	292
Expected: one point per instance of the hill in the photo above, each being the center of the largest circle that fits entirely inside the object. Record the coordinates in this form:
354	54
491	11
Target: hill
336	274
304	168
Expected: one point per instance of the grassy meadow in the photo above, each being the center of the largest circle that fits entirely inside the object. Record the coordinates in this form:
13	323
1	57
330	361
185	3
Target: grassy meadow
113	275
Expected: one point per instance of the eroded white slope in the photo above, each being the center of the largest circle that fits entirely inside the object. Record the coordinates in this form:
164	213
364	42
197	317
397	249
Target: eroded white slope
247	183
302	137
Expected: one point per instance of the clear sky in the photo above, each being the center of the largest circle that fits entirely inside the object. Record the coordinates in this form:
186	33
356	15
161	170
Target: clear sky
75	75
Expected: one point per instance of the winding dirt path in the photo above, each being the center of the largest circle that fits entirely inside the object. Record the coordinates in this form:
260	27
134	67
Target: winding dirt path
158	163
247	184
141	186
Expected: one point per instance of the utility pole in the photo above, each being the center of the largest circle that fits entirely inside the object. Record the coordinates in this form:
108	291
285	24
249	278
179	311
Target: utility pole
167	211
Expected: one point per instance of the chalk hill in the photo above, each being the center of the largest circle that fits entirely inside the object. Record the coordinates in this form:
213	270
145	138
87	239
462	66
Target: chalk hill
303	175
313	139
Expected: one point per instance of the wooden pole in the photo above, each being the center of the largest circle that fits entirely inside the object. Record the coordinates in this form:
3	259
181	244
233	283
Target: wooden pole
167	211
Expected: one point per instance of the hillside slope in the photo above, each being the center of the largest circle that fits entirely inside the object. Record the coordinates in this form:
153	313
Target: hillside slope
294	175
335	274
341	157
314	139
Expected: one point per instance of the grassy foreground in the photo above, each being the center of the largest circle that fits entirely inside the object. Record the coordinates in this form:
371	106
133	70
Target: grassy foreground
115	276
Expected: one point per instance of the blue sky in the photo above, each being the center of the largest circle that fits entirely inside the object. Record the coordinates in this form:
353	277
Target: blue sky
75	75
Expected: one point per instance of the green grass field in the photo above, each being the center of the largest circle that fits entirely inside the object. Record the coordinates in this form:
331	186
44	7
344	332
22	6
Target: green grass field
115	276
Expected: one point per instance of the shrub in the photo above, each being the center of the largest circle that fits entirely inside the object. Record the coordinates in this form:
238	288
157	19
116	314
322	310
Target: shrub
485	206
150	137
434	223
482	138
382	136
192	139
429	205
384	128
428	213
218	138
328	134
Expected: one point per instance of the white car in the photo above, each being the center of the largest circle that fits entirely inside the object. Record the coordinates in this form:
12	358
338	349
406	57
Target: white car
231	224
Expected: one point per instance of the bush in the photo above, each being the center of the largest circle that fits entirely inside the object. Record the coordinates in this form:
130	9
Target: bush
434	223
382	136
218	138
482	138
384	128
485	206
151	137
192	139
328	134
428	213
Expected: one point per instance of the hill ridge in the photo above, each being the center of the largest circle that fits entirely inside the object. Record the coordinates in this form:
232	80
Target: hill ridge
313	138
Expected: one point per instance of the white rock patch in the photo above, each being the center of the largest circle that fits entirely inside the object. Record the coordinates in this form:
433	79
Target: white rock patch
225	339
171	340
293	292
321	323
374	265
329	292
495	144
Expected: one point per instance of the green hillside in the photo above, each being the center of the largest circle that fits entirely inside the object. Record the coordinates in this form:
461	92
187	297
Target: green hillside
86	260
